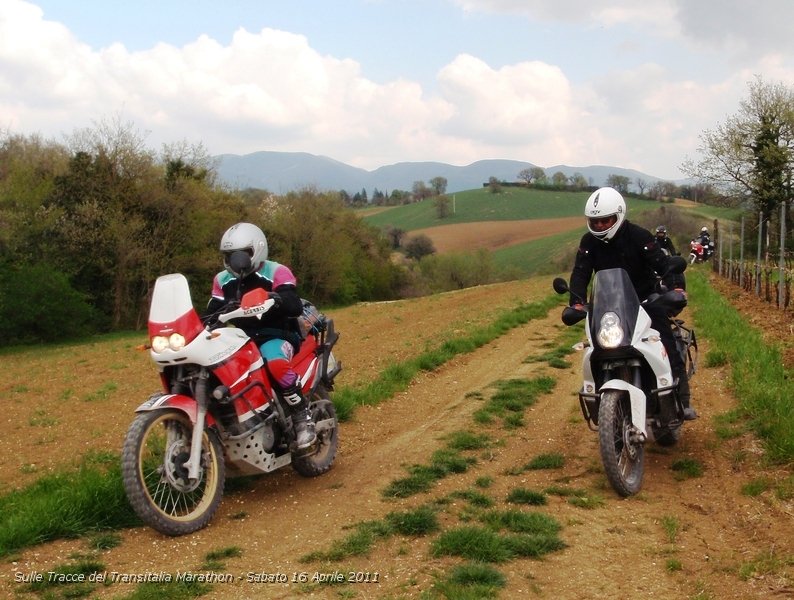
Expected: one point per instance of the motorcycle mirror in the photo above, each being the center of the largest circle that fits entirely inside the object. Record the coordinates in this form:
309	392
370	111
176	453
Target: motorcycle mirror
560	285
253	298
571	316
240	263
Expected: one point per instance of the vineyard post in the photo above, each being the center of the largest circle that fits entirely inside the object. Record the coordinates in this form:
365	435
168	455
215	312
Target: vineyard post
781	287
758	259
741	254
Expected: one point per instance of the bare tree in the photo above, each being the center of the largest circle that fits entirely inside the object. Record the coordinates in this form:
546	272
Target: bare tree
751	155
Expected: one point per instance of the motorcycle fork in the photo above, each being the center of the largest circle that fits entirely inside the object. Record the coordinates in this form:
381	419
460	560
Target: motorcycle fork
202	403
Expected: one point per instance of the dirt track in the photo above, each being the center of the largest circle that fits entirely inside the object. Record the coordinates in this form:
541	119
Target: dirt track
617	550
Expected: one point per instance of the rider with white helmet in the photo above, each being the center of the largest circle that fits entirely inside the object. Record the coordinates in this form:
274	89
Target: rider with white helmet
614	242
275	332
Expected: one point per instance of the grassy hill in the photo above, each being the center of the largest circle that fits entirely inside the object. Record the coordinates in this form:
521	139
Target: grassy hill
513	204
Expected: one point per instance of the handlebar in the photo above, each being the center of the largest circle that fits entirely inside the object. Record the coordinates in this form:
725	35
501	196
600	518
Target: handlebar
248	311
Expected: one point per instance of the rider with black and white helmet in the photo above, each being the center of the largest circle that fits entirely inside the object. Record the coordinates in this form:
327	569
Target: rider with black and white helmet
274	333
664	241
612	242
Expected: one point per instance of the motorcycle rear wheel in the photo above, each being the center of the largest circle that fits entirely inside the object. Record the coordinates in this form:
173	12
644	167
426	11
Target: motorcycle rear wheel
155	476
327	441
623	459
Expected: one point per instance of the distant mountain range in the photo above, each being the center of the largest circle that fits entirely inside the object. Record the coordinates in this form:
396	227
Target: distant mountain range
281	172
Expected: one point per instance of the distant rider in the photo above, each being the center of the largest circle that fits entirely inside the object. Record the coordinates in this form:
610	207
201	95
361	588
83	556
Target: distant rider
613	242
275	333
665	243
705	240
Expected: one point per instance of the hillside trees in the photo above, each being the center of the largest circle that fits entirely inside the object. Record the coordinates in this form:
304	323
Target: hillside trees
336	257
85	230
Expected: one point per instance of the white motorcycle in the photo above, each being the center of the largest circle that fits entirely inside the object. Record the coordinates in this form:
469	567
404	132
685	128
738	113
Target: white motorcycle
629	394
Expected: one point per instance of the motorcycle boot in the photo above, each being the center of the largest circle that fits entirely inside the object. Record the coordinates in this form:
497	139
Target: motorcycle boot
305	435
683	393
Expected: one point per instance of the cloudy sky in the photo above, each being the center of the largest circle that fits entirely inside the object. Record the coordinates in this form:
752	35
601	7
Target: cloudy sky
374	82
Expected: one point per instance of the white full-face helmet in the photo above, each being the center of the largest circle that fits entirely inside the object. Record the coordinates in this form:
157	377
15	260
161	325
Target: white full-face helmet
249	238
605	212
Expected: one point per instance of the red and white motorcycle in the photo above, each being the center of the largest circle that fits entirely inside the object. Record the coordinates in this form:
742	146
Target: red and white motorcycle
219	412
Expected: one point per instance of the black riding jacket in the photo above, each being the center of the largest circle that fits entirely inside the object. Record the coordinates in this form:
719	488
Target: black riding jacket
632	248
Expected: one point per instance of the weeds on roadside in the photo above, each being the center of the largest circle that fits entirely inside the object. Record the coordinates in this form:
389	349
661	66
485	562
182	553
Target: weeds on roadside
475	580
511	398
417	522
524	496
687	468
64	504
671	527
760	381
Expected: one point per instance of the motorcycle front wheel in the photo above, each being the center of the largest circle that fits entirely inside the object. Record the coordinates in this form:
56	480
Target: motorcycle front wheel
623	459
155	475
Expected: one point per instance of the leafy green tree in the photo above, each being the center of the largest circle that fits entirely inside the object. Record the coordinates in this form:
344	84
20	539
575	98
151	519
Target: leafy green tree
419	246
421	191
442	205
559	179
439	185
619	182
579	181
38	304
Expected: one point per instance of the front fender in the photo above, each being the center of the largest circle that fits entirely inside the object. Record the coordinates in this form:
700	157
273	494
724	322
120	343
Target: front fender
181	402
636	398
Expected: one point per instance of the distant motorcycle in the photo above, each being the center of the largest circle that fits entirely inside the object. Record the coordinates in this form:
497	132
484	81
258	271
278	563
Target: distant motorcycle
699	252
219	411
629	394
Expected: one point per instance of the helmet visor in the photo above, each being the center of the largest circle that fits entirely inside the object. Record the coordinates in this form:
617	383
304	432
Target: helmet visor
599	224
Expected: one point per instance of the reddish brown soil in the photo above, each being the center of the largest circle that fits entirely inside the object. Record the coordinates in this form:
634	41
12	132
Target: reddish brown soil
493	235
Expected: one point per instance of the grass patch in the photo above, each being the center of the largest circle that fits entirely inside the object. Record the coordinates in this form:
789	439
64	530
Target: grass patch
758	378
756	487
687	468
472	580
63	577
671	527
417	522
511	398
525	496
673	564
483	544
421	478
214	560
474	498
766	563
552	460
586	502
66	505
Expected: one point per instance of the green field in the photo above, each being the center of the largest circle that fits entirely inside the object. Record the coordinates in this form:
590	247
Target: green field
513	204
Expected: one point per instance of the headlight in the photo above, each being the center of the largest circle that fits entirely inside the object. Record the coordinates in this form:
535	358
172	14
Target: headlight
610	333
159	343
175	341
